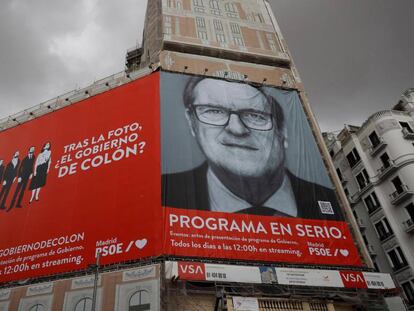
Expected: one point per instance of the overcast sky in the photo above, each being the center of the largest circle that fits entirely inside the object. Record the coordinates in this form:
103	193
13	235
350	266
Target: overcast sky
355	56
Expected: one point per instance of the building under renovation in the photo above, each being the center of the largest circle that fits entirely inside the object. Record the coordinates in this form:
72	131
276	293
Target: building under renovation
195	180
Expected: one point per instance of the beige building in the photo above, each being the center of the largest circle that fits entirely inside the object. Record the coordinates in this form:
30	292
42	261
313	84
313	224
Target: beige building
238	40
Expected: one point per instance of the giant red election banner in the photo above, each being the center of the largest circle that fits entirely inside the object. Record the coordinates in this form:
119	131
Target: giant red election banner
82	180
237	175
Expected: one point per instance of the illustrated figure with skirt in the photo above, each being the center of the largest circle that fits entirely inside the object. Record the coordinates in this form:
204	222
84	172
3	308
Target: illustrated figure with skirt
41	169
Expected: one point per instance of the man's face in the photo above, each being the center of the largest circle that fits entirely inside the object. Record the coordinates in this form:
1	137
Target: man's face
234	147
31	150
16	154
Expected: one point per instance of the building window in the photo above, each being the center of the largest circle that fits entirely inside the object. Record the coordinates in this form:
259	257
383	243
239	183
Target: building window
374	139
221	38
140	300
214	6
353	157
398	185
201	23
202	35
235	28
383	229
331	153
231	10
385	159
238	41
397	258
167	25
218	25
260	18
346	192
179	5
338	171
408	291
272	42
37	307
405	126
198	6
364	237
230	7
371	202
85	304
375	265
362	179
410	210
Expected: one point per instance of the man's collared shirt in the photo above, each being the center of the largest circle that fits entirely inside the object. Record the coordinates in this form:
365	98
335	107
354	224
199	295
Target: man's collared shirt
223	200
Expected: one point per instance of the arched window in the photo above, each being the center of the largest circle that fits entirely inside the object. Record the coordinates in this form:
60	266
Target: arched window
37	307
85	304
140	301
214	4
231	10
230	7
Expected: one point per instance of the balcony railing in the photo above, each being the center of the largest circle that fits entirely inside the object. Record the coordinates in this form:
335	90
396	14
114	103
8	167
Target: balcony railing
400	195
364	188
373	209
355	164
400	266
386	236
408	225
407	134
385	170
378	147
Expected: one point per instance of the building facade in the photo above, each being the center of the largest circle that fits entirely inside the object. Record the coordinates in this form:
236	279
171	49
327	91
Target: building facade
146	265
375	163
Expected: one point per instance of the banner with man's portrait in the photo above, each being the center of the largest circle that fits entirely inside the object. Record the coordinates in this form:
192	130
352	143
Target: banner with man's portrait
173	165
243	177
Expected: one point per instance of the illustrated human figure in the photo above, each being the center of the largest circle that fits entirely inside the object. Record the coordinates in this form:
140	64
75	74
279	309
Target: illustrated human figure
41	169
1	170
25	172
9	176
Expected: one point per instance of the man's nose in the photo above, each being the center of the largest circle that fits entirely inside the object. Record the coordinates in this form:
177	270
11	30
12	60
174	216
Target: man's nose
236	126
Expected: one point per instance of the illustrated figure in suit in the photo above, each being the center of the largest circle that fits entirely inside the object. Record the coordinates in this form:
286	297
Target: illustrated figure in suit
1	170
24	174
8	178
241	131
41	169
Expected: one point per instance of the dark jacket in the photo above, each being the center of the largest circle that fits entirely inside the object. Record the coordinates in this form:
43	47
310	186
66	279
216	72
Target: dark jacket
189	190
26	168
10	172
1	172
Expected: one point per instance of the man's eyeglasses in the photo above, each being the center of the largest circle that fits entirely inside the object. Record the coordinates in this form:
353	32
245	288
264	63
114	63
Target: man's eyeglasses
219	116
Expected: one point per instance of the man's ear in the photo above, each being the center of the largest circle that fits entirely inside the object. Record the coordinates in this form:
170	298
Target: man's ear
190	120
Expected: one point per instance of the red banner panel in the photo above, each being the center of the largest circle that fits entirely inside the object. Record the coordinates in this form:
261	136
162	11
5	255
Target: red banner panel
353	279
259	238
82	180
